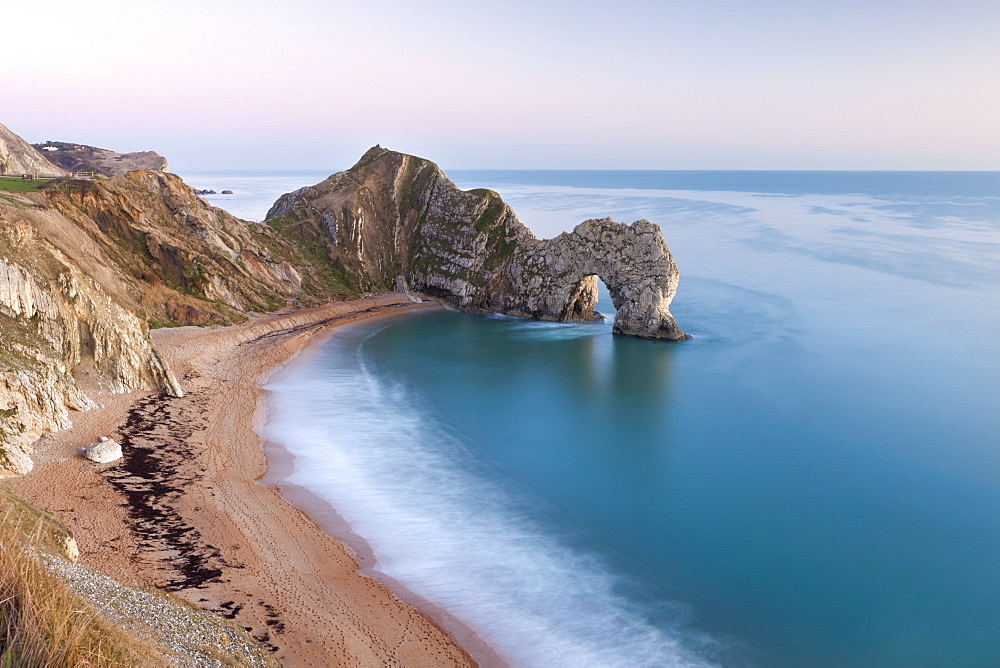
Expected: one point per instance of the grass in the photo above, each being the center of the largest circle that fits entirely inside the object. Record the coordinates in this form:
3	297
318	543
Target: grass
493	211
164	324
16	185
20	342
15	203
303	242
42	623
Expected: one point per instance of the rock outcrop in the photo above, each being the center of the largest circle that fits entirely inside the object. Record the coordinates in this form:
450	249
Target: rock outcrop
557	278
19	157
82	158
395	218
88	266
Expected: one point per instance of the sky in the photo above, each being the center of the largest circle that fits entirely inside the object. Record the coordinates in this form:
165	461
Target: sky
522	84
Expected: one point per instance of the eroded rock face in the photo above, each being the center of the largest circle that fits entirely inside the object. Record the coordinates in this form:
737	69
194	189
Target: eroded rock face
15	461
179	259
19	157
394	216
557	278
86	267
62	333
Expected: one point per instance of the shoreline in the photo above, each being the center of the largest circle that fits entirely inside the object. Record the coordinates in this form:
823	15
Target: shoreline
281	463
196	506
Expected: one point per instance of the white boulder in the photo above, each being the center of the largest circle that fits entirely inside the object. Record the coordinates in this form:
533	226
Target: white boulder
104	451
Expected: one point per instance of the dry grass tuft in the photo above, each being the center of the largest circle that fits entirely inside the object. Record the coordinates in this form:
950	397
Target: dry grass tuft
42	623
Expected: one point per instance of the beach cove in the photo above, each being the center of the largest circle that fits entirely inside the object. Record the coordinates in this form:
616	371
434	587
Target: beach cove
213	532
805	482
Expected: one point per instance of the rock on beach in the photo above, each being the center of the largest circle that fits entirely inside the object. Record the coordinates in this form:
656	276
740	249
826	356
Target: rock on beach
104	451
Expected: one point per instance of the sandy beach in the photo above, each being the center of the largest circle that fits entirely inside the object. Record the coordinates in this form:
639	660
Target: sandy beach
187	509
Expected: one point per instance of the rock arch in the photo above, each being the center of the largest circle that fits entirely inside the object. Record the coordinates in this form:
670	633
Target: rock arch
556	279
469	249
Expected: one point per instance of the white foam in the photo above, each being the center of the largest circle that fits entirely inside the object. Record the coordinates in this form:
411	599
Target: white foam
445	531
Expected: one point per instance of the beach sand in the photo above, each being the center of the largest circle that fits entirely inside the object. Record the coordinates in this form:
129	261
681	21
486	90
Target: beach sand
187	509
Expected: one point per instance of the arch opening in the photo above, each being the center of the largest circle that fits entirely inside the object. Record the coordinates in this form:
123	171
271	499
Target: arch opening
605	303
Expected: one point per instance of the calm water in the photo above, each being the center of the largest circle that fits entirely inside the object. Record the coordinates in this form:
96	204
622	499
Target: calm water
254	191
812	480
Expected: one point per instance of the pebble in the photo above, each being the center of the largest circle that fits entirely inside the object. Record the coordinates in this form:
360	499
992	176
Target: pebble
190	636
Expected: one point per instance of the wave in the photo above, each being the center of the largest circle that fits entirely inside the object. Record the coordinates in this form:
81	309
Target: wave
442	524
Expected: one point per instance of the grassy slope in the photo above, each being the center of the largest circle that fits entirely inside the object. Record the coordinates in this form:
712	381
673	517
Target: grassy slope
16	185
88	619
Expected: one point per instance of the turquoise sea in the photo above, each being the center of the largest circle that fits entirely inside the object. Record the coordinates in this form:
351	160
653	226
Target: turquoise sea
812	480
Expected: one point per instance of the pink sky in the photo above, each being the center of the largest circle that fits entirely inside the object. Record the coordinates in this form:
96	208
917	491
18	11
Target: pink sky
625	85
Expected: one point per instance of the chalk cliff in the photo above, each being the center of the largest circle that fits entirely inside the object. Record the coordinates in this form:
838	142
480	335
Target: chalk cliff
395	219
63	332
19	157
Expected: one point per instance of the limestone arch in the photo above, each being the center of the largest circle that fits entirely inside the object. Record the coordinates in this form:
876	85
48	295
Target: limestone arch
631	260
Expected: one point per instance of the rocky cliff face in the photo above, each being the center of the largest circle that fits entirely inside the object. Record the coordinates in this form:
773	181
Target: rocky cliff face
81	158
177	259
86	267
63	333
557	278
19	157
395	218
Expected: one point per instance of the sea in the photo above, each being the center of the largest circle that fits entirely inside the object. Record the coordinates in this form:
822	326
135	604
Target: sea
813	479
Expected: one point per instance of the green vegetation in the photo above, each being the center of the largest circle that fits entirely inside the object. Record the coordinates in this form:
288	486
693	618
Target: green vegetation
162	324
302	242
16	203
493	211
16	185
140	248
272	304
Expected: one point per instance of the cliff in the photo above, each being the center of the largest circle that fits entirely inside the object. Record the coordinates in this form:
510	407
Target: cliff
395	219
19	157
88	266
82	158
65	330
